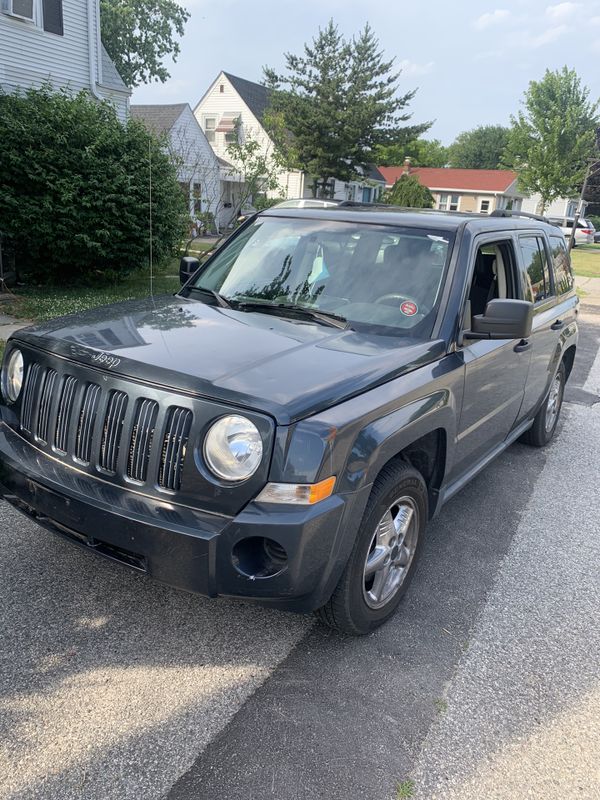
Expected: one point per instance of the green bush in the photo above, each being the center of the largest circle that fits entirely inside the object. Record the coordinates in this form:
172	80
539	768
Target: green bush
74	189
409	192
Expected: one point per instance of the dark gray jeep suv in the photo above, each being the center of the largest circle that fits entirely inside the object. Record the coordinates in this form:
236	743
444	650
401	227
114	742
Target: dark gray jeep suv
284	427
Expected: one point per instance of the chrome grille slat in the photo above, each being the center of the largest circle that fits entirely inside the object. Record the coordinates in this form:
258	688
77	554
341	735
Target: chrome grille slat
46	396
29	397
63	417
112	431
175	438
142	434
87	418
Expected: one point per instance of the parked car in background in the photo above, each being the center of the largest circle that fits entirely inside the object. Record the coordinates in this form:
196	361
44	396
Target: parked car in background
597	237
283	429
585	232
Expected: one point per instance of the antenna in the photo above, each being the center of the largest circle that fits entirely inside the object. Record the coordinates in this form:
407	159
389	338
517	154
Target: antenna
150	215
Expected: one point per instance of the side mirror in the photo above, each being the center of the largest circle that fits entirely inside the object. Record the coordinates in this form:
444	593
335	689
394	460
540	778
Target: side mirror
187	266
503	319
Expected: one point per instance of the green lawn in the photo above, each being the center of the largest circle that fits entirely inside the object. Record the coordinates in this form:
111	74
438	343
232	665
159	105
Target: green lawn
586	260
42	302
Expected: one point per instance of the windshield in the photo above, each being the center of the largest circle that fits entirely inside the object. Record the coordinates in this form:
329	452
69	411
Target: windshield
380	278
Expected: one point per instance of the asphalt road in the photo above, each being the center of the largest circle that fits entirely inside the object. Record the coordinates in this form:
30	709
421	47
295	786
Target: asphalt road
486	684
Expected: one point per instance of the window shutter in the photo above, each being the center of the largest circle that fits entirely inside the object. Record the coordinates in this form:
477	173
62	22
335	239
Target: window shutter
53	16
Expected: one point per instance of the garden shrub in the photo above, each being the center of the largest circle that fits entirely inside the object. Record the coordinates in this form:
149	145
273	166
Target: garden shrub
74	189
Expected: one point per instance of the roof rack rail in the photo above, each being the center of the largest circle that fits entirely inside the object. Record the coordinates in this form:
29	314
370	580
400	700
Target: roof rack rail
506	212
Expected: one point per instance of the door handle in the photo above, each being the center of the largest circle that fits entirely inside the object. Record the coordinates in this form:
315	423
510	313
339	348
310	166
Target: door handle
556	326
522	346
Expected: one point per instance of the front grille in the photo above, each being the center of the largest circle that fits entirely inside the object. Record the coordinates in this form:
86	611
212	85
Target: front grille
46	396
30	393
63	415
113	428
87	419
177	431
109	431
142	434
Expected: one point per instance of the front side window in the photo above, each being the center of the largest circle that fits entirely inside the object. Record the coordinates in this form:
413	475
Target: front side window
563	277
379	278
533	252
493	278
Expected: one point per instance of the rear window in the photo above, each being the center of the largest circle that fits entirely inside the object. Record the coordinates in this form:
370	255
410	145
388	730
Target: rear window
563	276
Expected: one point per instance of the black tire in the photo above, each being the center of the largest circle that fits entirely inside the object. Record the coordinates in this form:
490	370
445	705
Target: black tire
348	609
541	432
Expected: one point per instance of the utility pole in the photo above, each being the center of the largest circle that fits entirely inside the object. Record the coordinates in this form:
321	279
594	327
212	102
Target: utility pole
588	174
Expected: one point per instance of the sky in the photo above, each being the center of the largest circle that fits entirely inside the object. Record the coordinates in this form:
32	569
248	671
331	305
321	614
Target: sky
471	62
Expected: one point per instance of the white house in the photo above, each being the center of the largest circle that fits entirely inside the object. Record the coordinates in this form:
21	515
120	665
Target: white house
560	208
234	104
198	167
57	41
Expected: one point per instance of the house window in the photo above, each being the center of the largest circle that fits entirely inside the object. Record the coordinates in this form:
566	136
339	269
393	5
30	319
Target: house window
222	89
454	202
210	123
231	136
443	202
197	194
46	14
53	16
449	202
485	206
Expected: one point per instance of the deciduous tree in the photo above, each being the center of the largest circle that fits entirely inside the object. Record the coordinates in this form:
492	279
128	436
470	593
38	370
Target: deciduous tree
552	140
422	153
140	34
480	148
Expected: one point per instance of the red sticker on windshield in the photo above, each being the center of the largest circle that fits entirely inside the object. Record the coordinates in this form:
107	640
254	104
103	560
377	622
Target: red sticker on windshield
408	308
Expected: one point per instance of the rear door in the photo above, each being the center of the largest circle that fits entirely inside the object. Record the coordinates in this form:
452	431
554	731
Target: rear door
539	287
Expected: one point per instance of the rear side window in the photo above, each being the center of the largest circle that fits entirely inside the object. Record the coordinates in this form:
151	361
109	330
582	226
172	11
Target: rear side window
535	261
563	277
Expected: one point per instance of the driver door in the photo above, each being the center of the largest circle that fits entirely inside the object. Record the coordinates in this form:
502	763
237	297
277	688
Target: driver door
495	370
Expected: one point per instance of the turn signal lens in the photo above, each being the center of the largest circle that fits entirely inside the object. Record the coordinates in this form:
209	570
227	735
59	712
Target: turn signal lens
304	494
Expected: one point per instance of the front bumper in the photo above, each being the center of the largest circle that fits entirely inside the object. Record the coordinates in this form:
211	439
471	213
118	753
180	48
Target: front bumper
184	547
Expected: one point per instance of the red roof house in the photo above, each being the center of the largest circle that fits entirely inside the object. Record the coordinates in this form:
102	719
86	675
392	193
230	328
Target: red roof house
479	190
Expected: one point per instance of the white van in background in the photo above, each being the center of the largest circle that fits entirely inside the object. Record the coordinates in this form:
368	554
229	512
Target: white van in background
585	229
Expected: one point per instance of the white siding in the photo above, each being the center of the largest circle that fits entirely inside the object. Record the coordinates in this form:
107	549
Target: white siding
562	207
30	56
198	163
216	103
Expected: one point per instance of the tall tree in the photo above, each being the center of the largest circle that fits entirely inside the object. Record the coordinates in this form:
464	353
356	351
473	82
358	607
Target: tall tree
139	34
552	141
336	103
422	153
480	148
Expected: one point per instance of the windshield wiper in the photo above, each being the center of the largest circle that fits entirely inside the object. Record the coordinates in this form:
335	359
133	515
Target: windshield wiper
325	317
221	301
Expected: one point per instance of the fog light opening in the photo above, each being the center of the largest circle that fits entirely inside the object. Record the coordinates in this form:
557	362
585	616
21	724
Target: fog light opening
258	557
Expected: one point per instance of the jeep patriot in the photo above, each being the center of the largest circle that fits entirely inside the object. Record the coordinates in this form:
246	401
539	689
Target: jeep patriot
284	427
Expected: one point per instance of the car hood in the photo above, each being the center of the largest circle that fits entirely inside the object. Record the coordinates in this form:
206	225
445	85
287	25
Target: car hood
287	368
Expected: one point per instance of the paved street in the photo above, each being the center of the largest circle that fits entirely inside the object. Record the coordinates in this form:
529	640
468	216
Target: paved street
485	685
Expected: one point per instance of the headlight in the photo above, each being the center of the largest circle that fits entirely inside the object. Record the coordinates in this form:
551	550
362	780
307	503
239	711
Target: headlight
12	376
233	448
